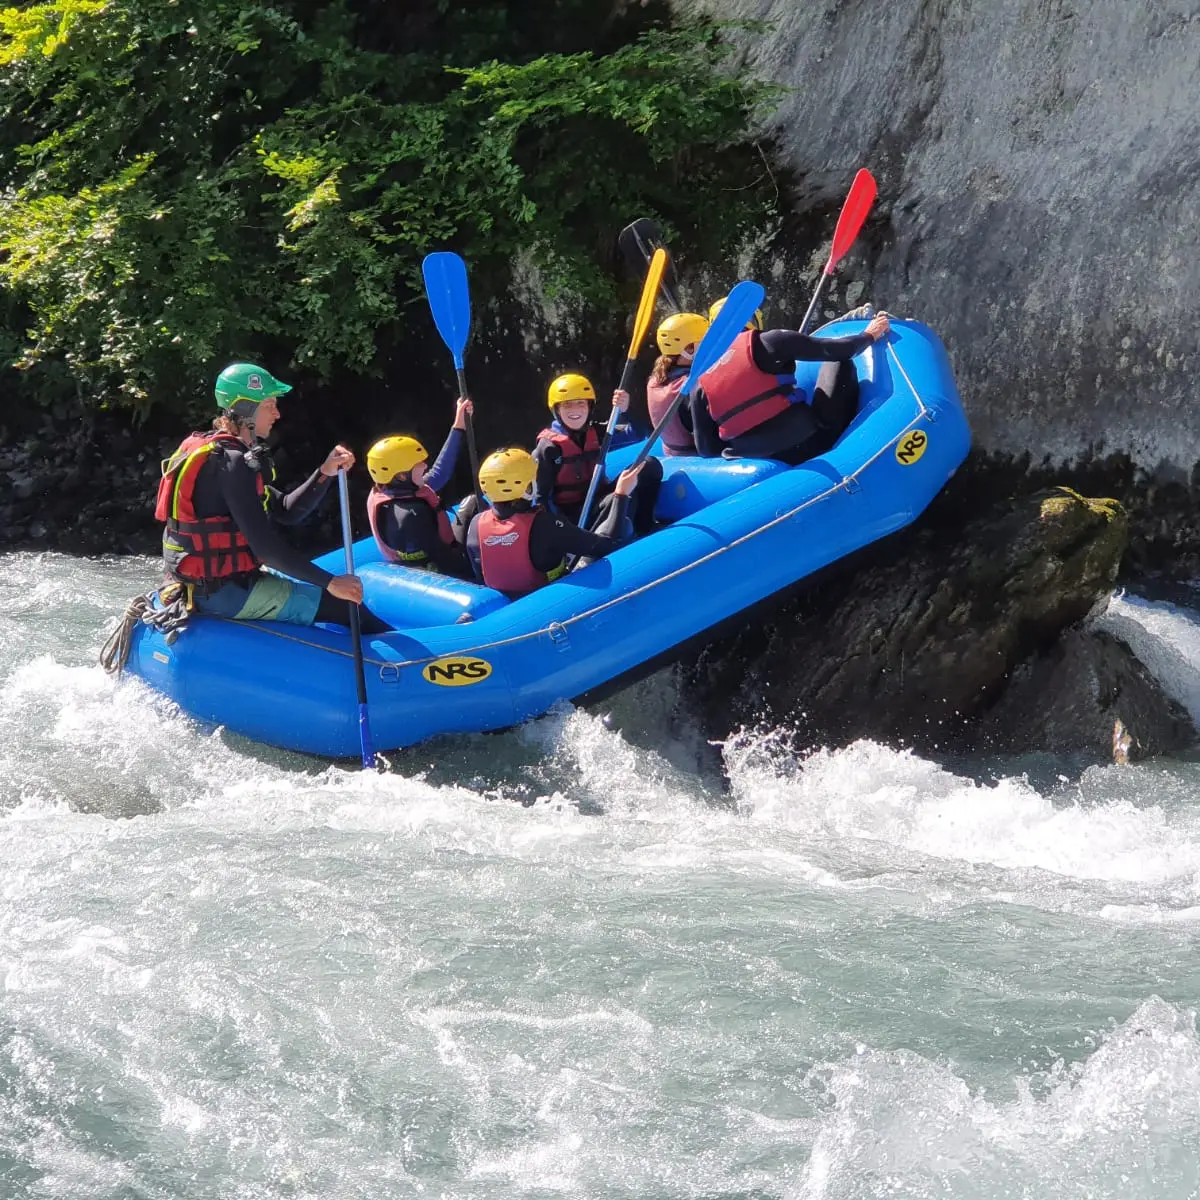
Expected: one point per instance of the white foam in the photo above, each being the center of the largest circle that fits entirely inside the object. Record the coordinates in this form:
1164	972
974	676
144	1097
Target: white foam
1107	1126
898	800
1165	638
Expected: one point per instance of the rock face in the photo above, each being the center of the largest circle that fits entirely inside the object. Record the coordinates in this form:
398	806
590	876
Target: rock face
1089	693
918	646
1039	199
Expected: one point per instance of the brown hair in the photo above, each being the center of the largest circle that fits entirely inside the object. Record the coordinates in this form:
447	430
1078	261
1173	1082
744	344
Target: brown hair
663	366
226	422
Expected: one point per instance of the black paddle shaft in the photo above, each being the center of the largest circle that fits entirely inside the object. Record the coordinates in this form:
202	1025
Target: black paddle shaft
638	242
598	472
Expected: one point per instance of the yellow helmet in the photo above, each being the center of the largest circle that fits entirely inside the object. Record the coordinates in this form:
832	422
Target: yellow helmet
507	474
756	323
681	330
570	387
391	456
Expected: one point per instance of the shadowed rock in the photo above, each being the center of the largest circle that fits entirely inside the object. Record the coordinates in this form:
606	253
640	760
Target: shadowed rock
920	643
1089	693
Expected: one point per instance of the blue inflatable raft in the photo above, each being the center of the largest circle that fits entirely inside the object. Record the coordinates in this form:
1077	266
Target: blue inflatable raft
463	658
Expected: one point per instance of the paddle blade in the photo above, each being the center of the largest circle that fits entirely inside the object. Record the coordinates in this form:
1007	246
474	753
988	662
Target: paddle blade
449	300
645	310
854	213
737	311
638	242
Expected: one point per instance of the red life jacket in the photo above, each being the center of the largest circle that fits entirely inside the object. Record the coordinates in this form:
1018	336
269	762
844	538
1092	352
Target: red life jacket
504	553
740	395
676	437
575	471
196	548
414	555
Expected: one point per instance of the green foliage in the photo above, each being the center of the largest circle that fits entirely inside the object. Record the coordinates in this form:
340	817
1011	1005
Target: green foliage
184	184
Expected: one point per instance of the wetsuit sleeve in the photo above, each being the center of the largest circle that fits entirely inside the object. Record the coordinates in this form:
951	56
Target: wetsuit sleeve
552	538
548	458
245	507
440	473
777	349
705	430
300	503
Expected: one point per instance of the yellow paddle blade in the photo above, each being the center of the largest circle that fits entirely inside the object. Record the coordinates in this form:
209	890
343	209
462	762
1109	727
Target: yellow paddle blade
645	312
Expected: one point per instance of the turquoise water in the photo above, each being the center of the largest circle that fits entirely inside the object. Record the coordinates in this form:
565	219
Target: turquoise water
228	972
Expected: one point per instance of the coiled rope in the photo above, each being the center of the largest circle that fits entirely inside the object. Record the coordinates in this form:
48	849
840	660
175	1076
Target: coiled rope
166	610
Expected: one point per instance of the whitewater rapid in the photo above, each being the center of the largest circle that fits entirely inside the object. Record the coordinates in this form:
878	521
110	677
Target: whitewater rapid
551	962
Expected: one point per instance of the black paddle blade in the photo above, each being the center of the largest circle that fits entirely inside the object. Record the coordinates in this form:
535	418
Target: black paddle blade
638	242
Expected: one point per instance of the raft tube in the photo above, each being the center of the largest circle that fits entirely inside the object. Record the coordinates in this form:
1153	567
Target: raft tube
464	659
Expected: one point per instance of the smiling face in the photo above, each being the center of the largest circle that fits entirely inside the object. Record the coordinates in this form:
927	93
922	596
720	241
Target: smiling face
573	414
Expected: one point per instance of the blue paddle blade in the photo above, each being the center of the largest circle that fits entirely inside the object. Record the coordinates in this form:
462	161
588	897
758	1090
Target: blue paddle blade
735	315
449	300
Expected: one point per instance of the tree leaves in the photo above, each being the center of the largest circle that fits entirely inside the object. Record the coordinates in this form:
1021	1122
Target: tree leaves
186	184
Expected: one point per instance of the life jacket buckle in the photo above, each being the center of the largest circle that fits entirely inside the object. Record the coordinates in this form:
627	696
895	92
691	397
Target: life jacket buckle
559	636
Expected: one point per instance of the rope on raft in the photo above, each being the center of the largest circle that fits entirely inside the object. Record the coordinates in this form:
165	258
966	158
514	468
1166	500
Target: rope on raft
167	610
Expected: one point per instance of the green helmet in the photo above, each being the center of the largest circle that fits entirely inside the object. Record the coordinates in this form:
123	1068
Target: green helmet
246	382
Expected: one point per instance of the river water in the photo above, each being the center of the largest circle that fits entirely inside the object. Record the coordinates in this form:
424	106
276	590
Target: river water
228	972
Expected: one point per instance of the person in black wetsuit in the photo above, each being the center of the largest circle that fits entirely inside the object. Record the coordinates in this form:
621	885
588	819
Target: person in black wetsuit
407	517
568	450
750	404
517	546
221	513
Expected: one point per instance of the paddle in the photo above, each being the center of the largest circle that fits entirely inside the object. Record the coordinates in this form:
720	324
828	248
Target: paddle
638	242
360	679
641	323
854	212
736	312
450	302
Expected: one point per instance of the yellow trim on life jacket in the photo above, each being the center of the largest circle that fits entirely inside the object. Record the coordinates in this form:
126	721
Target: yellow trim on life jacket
180	466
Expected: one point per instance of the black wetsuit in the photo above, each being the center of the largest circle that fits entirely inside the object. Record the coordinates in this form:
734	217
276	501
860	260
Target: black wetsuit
802	430
410	525
552	538
645	495
231	488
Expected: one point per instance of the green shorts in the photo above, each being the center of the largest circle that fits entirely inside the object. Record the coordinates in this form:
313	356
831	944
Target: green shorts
269	598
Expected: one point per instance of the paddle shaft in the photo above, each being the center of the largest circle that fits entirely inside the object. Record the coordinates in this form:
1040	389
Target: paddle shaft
816	299
360	677
644	452
598	473
472	452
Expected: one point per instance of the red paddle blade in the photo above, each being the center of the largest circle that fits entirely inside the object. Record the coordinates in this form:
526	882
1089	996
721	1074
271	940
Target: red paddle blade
854	213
